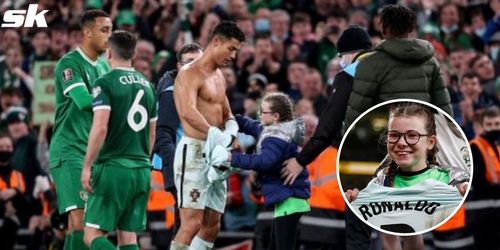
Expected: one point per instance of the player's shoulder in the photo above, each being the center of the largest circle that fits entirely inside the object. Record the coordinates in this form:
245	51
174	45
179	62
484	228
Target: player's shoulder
189	71
106	78
70	57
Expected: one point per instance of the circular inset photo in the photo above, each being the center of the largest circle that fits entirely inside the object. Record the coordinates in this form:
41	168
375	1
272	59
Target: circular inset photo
404	167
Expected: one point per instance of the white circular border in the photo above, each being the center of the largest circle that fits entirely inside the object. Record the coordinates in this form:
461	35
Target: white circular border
342	188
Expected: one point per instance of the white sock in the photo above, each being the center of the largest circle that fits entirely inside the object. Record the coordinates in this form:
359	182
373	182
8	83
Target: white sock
198	244
178	246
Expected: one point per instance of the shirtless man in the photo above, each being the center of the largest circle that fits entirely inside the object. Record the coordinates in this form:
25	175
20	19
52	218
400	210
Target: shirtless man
203	108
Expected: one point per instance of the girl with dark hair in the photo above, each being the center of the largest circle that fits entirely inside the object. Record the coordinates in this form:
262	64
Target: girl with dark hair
411	142
278	138
411	145
412	164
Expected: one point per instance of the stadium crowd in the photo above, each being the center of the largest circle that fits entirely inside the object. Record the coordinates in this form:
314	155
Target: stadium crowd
291	46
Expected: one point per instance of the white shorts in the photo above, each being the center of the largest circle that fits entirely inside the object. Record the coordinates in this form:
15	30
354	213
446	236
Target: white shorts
193	188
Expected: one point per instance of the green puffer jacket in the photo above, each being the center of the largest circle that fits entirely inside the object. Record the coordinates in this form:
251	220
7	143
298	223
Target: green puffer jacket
398	68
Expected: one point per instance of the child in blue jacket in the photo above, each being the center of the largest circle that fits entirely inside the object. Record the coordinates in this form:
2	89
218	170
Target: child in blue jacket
278	138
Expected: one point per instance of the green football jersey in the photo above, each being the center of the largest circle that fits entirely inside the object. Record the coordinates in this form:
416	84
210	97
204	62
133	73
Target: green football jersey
132	102
72	125
410	179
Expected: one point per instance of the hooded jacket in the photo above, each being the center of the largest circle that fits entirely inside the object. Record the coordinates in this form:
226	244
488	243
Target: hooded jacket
276	143
399	68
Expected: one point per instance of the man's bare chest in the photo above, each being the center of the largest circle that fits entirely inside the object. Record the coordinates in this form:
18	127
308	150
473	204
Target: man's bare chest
212	91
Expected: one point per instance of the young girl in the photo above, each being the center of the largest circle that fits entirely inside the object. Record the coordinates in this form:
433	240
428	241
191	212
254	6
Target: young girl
411	147
278	136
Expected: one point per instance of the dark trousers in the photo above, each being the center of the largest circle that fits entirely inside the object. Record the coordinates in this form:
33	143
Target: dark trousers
357	232
284	232
8	233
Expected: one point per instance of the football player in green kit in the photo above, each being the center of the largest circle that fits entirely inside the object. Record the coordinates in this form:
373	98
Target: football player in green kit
74	76
116	170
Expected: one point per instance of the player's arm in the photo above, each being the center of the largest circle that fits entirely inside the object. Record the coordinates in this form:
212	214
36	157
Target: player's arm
81	97
99	130
185	95
231	126
73	85
152	135
153	111
97	136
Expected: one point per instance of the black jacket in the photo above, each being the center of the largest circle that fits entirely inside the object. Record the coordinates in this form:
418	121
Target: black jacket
330	123
167	127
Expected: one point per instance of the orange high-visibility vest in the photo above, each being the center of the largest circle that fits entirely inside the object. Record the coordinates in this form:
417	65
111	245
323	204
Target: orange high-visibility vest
45	205
16	181
325	191
456	221
161	200
490	158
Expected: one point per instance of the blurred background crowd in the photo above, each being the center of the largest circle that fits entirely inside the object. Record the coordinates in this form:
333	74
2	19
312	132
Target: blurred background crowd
291	47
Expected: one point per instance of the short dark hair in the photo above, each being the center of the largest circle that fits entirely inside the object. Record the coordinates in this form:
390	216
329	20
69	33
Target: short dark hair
469	75
298	60
475	59
397	20
62	27
123	44
301	17
89	16
338	13
32	33
188	48
73	27
489	112
228	30
11	91
262	36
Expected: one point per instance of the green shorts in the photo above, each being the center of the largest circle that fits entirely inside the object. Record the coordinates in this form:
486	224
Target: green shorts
119	198
69	189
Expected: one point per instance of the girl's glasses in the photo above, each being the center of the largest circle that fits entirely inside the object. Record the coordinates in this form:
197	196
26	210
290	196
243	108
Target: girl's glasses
266	112
411	137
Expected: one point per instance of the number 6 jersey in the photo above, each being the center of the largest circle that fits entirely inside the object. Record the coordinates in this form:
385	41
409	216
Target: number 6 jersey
131	100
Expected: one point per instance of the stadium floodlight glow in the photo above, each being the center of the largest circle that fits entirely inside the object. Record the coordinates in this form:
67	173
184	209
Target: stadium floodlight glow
16	18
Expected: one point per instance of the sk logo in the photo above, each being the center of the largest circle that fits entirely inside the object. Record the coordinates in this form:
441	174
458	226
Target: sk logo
23	18
194	195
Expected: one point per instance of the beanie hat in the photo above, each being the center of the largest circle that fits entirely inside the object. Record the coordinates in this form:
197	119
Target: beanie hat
353	39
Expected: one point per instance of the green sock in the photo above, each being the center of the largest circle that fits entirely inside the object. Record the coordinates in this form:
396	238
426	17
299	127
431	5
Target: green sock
67	242
129	247
77	241
102	243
